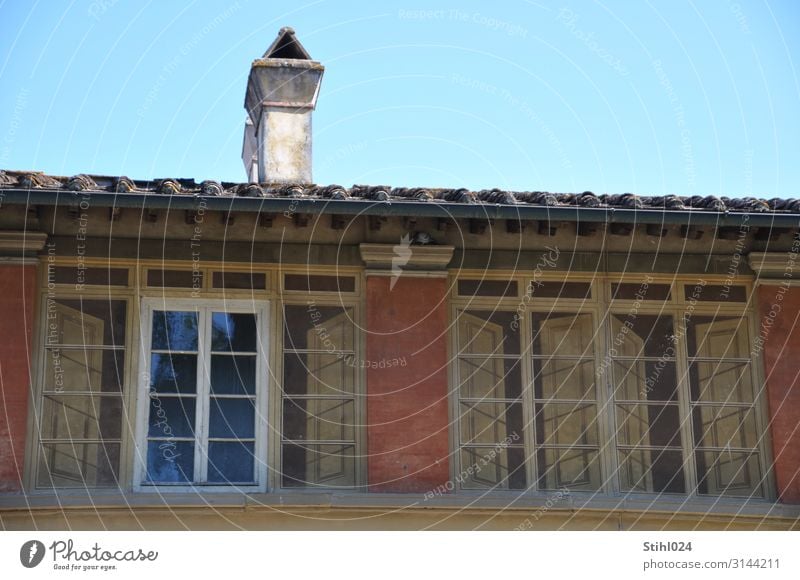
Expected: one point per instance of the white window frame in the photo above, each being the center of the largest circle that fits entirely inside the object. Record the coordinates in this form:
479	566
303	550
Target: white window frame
261	310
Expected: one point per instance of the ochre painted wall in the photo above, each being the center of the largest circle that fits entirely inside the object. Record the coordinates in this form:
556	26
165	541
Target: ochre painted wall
779	308
17	292
407	412
418	518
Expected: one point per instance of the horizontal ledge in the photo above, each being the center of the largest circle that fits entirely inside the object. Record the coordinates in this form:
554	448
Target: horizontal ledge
310	500
18	244
437	209
407	273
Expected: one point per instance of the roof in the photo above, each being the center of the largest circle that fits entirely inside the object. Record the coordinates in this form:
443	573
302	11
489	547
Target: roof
421	201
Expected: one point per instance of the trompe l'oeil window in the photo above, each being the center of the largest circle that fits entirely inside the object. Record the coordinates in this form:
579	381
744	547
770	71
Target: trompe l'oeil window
642	393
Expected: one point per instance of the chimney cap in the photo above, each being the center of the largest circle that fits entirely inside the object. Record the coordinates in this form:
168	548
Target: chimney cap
286	46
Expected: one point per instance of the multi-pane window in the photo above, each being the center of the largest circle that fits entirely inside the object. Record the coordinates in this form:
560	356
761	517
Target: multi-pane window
318	397
723	410
490	407
649	392
565	401
202	397
80	416
647	406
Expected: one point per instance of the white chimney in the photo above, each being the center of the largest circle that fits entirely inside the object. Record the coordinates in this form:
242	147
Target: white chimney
281	94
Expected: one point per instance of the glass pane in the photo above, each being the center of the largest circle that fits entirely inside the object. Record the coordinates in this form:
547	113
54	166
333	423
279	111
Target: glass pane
638	292
566	424
498	288
729	473
170	461
231	462
649	425
171	416
78	465
317	374
318	419
174	330
724	427
90	276
651	470
239	280
642	335
173	373
81	417
718	337
84	370
493	467
574	469
563	334
233	332
645	380
316	283
496	378
232	418
318	465
488	332
86	322
233	374
715	293
313	327
721	382
490	422
175	279
563	379
576	290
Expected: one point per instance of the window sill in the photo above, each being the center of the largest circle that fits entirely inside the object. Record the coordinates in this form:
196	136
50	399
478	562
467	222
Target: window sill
505	501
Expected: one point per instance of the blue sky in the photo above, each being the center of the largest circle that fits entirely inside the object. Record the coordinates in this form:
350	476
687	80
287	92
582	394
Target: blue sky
691	98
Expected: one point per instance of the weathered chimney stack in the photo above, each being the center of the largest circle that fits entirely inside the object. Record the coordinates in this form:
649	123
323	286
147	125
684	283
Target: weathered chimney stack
281	94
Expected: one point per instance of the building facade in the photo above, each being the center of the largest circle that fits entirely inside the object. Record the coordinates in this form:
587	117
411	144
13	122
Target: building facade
281	355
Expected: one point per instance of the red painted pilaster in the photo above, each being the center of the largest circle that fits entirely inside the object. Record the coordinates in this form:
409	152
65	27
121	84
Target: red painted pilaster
17	296
407	409
779	336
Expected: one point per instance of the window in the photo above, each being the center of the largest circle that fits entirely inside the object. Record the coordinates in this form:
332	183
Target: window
648	391
319	405
79	420
202	399
645	379
565	401
560	409
490	407
687	419
723	410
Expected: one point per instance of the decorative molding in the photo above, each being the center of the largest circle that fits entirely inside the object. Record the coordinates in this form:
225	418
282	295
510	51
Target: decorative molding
8	261
411	260
407	273
775	265
18	244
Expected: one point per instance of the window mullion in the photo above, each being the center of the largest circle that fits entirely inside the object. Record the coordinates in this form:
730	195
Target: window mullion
203	399
528	409
604	389
685	409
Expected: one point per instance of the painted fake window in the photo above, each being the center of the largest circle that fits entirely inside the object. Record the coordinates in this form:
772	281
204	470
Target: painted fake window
491	414
80	413
565	401
202	400
723	409
685	410
319	403
527	399
651	390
